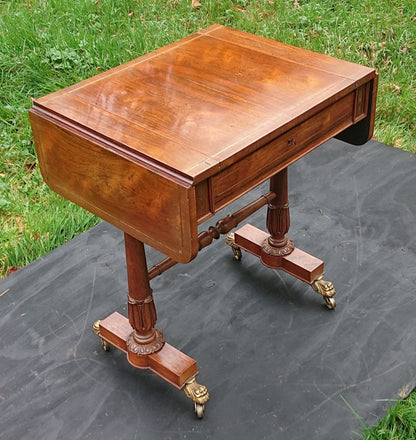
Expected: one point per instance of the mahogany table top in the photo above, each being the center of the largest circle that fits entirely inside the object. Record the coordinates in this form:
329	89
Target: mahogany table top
196	105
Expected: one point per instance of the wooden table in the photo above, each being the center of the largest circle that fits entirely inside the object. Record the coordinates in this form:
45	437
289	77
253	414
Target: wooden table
160	144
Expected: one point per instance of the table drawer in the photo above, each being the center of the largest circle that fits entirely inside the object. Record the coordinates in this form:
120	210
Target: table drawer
263	163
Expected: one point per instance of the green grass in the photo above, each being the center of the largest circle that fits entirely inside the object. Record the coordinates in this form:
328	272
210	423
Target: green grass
46	45
398	424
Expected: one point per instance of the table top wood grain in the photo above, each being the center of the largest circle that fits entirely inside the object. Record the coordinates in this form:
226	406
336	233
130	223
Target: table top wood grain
195	104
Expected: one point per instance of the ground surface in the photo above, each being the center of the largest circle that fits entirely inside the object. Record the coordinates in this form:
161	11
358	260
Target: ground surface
276	362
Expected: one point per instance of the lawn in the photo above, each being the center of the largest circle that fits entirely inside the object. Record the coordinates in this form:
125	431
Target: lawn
49	44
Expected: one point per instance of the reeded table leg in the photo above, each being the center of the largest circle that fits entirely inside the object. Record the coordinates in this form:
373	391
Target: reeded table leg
145	338
137	336
278	218
277	251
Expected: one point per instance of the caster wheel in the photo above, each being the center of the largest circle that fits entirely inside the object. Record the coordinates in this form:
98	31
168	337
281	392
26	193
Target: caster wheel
199	410
330	303
237	254
199	394
326	289
96	330
106	346
230	240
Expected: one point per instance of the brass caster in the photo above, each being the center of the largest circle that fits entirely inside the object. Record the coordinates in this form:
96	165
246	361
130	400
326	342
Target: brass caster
199	410
106	346
326	289
96	330
199	394
230	240
330	302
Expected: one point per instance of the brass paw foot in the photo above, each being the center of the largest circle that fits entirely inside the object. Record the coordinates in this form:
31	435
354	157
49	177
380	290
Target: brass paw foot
326	289
199	394
96	329
230	240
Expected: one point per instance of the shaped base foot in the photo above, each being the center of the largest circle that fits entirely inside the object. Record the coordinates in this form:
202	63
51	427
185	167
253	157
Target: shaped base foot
326	289
230	240
298	263
169	363
96	329
199	394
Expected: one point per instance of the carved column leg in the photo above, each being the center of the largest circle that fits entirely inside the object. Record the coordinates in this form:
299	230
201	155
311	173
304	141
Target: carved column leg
137	336
277	251
278	217
145	338
278	221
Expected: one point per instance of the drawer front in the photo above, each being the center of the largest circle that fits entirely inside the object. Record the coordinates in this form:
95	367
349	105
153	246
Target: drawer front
263	163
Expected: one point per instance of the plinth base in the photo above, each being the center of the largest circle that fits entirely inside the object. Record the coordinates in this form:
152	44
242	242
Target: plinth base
169	363
298	263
